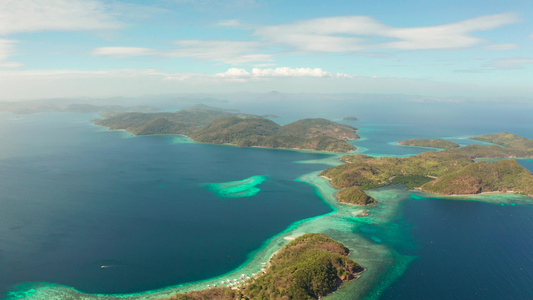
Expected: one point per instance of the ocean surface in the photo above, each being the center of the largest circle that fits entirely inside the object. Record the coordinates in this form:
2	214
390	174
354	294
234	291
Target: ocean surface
74	198
160	211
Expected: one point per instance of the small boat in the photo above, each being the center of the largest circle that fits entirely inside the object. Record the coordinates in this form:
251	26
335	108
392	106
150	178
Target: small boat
104	267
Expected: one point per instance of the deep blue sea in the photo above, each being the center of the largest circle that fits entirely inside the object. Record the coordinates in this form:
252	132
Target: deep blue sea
467	250
74	197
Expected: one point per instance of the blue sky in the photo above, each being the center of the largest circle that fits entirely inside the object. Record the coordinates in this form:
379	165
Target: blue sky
96	48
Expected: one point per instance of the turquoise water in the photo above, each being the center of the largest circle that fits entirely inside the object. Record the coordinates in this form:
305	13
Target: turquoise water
166	215
237	189
75	198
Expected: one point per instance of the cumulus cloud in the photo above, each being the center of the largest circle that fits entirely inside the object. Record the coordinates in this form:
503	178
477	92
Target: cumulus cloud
231	52
354	33
37	15
258	73
511	63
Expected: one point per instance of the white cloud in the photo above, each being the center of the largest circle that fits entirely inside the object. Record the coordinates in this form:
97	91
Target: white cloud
226	51
66	15
122	51
354	33
18	16
231	52
531	35
511	63
258	73
335	34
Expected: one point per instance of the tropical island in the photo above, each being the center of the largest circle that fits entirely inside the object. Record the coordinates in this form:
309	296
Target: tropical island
430	143
218	126
270	116
350	119
456	171
309	267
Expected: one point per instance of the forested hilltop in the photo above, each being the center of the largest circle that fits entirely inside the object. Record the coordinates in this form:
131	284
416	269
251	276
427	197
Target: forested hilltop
216	126
310	267
450	172
432	143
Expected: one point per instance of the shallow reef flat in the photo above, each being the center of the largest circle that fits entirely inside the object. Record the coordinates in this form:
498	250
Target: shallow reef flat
237	189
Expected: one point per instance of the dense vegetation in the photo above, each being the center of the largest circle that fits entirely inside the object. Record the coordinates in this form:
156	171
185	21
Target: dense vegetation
181	122
448	172
311	128
354	195
216	126
310	267
514	145
311	134
433	143
499	176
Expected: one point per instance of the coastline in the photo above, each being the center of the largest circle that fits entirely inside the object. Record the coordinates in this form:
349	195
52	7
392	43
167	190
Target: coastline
127	134
376	258
383	265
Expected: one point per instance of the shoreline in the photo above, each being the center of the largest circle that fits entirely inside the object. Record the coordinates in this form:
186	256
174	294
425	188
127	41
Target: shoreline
383	265
233	145
333	223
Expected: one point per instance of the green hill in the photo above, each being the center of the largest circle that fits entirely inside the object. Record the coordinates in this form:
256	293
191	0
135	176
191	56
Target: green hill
260	132
243	132
207	124
515	145
354	195
310	267
311	128
181	122
433	143
449	172
498	176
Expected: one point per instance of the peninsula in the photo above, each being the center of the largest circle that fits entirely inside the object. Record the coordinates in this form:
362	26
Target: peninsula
431	143
217	126
449	172
309	267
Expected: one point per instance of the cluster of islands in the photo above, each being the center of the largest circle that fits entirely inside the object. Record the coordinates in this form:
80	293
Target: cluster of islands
314	265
